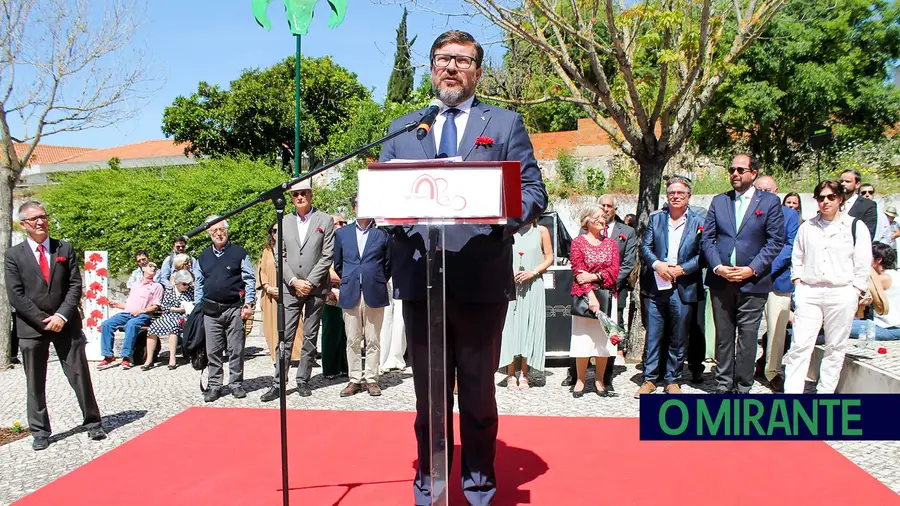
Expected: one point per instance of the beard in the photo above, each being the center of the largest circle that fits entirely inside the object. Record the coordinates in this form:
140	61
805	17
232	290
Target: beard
450	97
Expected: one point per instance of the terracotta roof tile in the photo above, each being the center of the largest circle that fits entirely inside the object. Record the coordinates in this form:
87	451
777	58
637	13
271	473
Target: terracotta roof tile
146	149
45	153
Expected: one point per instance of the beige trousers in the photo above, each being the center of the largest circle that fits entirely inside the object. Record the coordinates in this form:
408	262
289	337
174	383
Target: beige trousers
778	311
363	322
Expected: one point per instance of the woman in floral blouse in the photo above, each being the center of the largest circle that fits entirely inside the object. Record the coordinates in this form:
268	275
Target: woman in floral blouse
595	264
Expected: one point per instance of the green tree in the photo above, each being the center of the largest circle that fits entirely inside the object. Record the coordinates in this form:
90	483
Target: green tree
255	117
400	84
124	210
817	62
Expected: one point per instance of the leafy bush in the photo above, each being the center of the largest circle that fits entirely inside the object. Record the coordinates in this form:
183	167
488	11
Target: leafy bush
123	210
624	176
566	166
596	180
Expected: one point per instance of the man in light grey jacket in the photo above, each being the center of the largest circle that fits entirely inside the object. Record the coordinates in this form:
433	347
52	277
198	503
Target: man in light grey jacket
308	246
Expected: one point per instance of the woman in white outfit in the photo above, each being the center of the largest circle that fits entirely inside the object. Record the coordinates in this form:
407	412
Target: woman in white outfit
393	336
830	270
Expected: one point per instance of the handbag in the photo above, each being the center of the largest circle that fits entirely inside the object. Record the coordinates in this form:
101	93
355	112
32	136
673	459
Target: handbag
580	303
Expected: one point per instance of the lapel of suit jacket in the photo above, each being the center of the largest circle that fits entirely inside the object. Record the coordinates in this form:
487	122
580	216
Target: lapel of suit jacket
479	117
689	228
54	248
664	234
370	238
30	260
313	218
757	195
427	144
732	195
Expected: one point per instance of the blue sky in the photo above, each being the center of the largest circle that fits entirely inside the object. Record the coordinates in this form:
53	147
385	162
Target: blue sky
213	40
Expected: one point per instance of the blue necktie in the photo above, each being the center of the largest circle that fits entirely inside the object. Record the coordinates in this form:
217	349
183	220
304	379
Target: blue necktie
447	147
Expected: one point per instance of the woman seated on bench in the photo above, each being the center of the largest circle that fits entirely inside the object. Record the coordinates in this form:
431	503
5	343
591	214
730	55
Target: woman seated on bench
172	320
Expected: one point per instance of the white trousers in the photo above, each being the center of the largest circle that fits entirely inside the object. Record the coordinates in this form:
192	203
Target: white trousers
393	337
831	307
363	322
778	311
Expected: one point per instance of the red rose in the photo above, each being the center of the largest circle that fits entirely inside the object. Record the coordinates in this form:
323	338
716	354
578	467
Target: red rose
89	266
96	314
90	294
320	230
102	301
615	340
622	237
101	272
241	293
61	260
484	141
96	258
882	351
521	253
95	286
759	212
700	228
181	321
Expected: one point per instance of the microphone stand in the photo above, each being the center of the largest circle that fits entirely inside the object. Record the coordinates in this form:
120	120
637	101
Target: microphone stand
276	196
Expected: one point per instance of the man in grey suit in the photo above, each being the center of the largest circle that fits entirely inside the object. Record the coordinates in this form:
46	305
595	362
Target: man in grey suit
308	247
478	260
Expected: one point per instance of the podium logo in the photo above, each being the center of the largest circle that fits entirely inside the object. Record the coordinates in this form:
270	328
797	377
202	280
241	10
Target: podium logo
427	187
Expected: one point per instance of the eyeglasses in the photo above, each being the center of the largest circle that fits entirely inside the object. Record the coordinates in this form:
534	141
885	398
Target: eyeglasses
830	196
867	192
35	219
443	60
595	220
677	193
739	170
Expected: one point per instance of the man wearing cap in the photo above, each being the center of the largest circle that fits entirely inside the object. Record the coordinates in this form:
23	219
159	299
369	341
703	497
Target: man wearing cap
882	226
308	245
891	212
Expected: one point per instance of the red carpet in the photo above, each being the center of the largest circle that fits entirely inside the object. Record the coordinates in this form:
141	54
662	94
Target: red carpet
229	457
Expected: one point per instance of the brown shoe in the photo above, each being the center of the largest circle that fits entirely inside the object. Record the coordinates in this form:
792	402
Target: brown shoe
648	387
374	389
673	388
351	389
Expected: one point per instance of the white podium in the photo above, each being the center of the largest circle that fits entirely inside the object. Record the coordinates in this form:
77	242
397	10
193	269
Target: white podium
437	194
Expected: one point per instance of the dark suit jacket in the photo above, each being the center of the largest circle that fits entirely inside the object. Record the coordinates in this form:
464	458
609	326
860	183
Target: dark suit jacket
478	257
627	251
867	211
374	267
757	242
34	299
655	246
781	266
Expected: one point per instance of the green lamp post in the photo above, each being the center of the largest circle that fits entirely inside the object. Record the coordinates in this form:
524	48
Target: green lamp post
299	14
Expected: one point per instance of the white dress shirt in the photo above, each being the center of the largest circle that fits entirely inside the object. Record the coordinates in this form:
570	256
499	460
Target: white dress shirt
676	231
303	226
462	118
849	202
824	253
746	198
34	249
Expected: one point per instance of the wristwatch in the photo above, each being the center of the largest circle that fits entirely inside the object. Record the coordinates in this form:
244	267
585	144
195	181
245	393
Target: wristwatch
535	273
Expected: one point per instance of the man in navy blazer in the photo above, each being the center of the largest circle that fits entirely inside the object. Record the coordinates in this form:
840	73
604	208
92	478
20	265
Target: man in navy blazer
671	280
778	303
362	259
478	259
743	233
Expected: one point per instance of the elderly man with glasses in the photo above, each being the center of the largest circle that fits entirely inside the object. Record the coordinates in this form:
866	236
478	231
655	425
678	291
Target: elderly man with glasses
742	235
143	300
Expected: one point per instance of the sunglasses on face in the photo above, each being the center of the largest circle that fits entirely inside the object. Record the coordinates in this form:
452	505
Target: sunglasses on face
739	170
831	197
298	193
867	192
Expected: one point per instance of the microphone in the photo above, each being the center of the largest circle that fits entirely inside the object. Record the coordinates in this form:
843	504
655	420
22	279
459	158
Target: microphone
428	119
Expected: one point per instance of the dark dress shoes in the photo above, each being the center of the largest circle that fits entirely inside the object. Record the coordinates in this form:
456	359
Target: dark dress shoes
238	392
374	389
40	443
96	434
303	389
351	389
568	381
212	395
270	395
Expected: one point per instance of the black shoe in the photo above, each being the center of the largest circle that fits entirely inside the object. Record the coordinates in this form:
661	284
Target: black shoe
40	443
238	392
609	388
568	381
303	389
577	395
96	434
270	395
15	361
777	384
212	394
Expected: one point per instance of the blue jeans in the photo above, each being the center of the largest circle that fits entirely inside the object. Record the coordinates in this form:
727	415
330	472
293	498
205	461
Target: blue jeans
667	314
881	334
132	325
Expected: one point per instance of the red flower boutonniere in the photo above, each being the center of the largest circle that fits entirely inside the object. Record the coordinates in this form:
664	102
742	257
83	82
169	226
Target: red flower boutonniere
61	260
700	229
621	237
484	141
759	212
320	230
882	351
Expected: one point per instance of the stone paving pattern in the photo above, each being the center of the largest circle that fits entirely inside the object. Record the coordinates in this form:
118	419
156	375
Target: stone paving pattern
135	401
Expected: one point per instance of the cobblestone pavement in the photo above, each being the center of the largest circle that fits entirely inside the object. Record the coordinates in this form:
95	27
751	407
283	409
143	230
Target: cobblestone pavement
135	401
889	361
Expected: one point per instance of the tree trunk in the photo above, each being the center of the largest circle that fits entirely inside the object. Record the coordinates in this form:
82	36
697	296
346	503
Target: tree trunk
8	177
648	201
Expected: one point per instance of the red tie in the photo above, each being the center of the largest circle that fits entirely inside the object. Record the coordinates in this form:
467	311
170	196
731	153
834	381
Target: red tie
43	264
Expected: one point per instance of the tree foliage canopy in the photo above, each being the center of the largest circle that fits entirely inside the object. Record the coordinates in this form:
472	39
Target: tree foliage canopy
255	117
817	62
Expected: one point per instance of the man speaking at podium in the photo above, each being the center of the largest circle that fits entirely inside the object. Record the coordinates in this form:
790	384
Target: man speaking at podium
479	276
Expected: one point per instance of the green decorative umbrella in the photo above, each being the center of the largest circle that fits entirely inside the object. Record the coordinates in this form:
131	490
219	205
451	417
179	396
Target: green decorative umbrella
299	14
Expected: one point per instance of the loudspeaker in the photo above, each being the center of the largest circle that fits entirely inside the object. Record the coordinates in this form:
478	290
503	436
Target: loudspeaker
559	311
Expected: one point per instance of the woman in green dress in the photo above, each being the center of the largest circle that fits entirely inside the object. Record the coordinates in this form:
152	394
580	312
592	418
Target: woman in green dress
525	332
334	338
